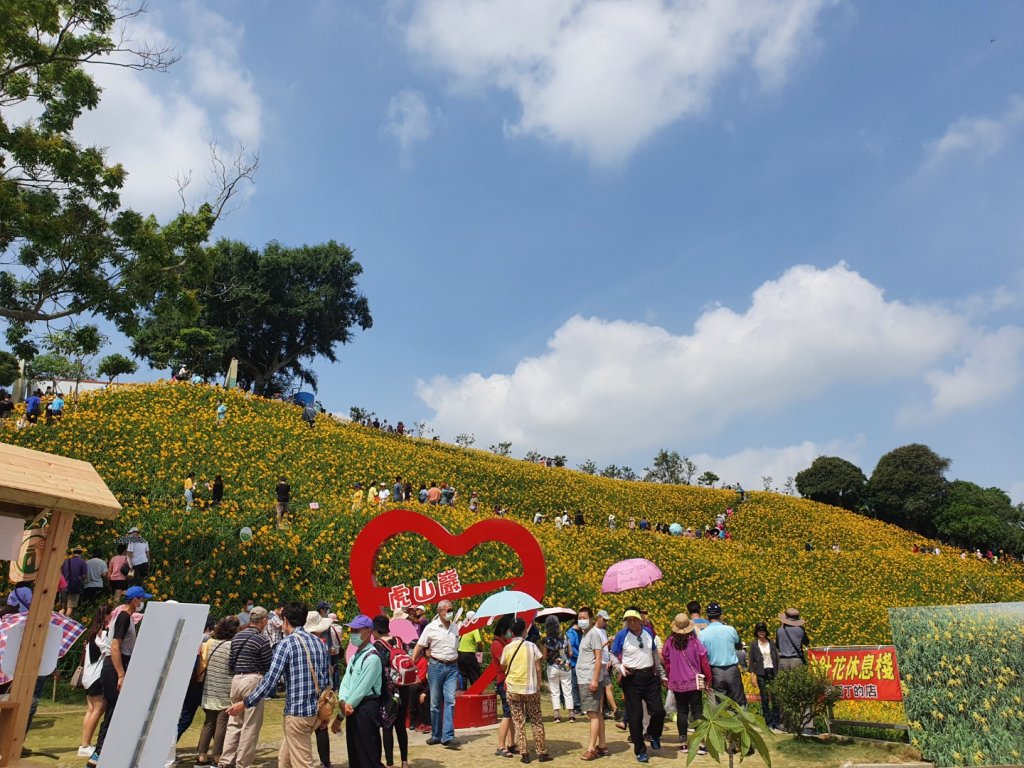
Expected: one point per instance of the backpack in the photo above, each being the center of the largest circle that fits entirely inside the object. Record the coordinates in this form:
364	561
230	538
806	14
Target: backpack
400	669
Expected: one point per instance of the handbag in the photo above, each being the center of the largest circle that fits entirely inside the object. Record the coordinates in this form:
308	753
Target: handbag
327	699
76	676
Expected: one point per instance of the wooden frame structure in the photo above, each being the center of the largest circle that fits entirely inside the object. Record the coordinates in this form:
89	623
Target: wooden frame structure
33	484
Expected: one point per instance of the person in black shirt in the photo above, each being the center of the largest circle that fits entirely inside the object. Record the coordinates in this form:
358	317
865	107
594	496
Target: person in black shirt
284	495
6	407
248	663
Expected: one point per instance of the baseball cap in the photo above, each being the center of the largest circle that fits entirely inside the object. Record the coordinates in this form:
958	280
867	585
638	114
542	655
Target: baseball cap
603	615
362	621
257	613
631	615
134	593
323	605
714	609
133	529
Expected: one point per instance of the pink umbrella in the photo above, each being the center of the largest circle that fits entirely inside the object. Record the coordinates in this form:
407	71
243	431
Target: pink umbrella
630	574
404	630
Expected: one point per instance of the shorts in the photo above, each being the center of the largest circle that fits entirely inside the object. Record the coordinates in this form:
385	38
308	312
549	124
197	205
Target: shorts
72	599
506	712
591	702
96	689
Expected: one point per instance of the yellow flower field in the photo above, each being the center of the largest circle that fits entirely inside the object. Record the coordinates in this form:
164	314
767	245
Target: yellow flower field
144	439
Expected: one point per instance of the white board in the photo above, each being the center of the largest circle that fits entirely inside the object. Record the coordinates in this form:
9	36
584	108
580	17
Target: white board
139	699
54	637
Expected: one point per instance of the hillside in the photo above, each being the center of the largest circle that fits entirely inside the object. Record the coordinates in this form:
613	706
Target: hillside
144	439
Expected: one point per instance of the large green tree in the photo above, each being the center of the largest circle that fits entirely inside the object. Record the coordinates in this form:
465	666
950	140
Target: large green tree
908	487
67	246
832	480
274	310
972	516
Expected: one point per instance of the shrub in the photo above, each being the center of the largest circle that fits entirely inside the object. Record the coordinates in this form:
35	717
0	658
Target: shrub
803	694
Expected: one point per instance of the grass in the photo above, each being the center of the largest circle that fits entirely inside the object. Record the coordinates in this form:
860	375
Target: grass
58	727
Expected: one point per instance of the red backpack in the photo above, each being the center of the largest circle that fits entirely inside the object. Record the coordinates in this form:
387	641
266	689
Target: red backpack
401	670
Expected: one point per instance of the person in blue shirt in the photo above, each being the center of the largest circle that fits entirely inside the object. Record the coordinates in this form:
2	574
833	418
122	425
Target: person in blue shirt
57	407
34	407
574	634
722	642
359	697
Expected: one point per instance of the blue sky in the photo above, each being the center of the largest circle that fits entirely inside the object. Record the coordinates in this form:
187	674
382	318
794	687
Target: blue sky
750	232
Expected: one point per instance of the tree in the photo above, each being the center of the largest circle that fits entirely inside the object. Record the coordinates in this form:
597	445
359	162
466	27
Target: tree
275	310
588	467
983	518
360	415
709	479
9	368
66	245
627	473
803	694
558	461
832	480
666	468
532	456
766	482
78	345
908	486
688	470
789	487
422	428
116	365
465	439
610	471
501	449
50	366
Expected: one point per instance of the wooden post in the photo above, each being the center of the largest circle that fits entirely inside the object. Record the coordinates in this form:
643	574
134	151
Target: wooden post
37	625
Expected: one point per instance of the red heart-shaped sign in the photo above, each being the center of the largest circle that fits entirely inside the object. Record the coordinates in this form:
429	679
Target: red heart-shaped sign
372	597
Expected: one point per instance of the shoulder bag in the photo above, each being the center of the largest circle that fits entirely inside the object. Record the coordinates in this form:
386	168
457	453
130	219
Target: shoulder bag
327	699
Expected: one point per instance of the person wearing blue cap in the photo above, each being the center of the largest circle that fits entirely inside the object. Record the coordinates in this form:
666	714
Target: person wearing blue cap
121	630
359	697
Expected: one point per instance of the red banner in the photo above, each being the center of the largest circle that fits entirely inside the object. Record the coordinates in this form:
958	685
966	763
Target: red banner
863	674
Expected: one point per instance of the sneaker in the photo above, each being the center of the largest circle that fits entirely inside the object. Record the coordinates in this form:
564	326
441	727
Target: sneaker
93	761
544	758
432	741
451	744
557	719
86	751
655	744
684	748
642	758
702	750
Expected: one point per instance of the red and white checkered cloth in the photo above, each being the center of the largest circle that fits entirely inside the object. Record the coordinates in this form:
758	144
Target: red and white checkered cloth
71	630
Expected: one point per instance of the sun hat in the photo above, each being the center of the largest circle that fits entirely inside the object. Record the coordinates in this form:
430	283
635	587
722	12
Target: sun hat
631	615
362	621
133	529
134	593
399	613
257	613
315	623
714	610
681	624
791	617
602	614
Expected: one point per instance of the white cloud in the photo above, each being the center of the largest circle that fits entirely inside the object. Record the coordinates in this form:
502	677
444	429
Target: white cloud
993	368
979	136
409	119
1017	492
160	125
610	388
751	464
603	76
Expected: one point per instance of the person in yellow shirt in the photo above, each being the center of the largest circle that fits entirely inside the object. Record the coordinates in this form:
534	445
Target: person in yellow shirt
357	498
469	644
371	496
190	491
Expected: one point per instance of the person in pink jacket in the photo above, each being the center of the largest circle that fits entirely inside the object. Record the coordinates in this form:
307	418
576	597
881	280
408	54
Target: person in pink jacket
689	674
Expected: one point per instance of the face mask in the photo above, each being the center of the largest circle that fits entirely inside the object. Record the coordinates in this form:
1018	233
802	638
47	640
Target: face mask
584	623
357	641
248	608
508	635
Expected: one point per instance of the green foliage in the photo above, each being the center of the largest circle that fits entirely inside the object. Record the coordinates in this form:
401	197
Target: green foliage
728	728
273	310
908	486
804	694
8	368
116	365
832	480
708	479
976	517
50	366
588	467
70	246
503	448
668	467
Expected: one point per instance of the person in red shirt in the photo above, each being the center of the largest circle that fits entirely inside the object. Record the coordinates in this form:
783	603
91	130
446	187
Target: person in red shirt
506	733
419	709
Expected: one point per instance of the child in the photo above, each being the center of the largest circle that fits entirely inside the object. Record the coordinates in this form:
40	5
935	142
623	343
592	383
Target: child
222	413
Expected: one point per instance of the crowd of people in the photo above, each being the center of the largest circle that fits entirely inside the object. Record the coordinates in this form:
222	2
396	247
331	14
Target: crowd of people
390	686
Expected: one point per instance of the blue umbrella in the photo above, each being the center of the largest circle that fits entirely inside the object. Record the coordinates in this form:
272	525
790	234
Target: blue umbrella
509	601
675	529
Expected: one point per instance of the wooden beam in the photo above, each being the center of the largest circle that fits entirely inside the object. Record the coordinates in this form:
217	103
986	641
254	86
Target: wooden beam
37	625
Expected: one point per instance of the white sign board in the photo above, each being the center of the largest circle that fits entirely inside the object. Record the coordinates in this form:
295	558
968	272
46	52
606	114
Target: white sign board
145	721
54	636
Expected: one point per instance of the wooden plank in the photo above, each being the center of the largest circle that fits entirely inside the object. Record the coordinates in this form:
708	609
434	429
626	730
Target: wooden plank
37	626
38	479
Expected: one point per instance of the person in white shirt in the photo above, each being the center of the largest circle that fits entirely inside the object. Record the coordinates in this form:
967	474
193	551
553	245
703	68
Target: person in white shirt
639	663
138	555
441	639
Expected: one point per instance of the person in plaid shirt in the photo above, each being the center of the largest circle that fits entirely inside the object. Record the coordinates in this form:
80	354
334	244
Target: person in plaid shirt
299	656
